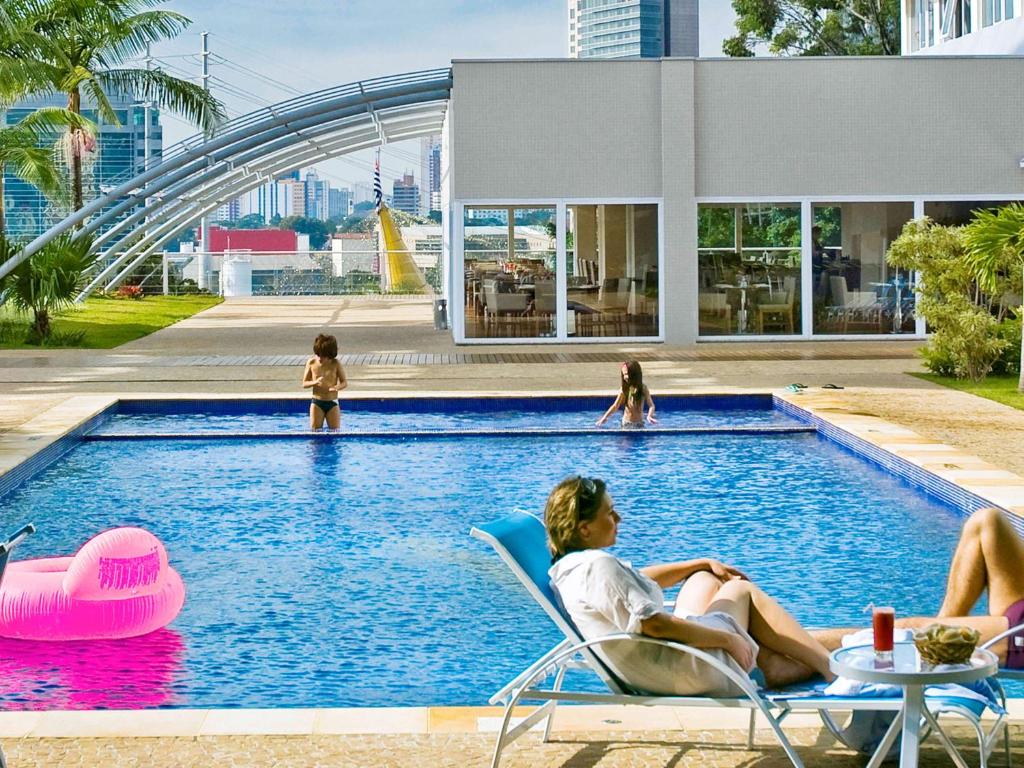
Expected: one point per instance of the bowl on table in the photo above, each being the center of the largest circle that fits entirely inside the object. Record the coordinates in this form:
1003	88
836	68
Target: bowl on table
942	644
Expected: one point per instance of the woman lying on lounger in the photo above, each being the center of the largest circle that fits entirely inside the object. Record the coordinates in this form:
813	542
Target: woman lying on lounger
718	609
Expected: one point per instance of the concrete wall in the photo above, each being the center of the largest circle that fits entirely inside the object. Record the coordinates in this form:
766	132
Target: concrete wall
859	126
556	129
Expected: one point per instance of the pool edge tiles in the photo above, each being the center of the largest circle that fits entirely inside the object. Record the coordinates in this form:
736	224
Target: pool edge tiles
31	447
949	473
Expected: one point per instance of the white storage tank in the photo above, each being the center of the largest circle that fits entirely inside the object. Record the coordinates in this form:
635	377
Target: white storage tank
236	277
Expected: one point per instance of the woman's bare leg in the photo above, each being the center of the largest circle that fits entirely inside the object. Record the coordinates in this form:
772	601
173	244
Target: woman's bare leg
696	594
774	628
989	554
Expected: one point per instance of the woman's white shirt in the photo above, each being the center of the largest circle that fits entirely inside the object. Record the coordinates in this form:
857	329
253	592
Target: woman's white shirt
604	595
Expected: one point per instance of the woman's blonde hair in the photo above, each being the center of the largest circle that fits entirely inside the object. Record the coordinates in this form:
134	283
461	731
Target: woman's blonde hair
573	501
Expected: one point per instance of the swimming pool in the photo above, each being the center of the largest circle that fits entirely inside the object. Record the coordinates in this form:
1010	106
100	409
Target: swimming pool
340	572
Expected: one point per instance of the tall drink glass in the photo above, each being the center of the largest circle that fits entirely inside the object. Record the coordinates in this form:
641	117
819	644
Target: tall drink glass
883	621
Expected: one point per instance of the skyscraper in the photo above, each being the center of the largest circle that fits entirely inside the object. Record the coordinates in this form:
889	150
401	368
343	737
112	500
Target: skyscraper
633	29
119	155
339	203
430	174
406	195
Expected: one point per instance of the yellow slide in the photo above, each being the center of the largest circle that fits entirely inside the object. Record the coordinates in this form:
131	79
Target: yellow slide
402	273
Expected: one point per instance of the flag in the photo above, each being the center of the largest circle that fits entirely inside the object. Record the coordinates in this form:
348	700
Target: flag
378	193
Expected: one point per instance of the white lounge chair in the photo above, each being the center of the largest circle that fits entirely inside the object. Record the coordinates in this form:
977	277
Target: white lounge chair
519	539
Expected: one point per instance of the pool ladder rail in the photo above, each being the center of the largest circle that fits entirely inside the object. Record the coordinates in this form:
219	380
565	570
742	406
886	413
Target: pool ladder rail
5	553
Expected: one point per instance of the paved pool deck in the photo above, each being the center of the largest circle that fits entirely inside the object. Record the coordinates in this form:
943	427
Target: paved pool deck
250	348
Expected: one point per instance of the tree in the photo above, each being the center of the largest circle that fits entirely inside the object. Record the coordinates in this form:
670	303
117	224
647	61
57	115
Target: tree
80	46
20	150
317	230
434	216
995	245
47	281
816	27
249	221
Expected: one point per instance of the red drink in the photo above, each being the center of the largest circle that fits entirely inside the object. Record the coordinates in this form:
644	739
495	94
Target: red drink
883	620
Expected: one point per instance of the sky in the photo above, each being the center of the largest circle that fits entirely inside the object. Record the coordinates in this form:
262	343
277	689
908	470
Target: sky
276	51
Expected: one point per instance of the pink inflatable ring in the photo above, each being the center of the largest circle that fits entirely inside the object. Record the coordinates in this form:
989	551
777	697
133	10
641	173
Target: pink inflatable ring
118	585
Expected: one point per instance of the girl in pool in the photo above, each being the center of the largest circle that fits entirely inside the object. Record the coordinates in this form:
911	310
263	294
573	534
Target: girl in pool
718	610
633	396
325	376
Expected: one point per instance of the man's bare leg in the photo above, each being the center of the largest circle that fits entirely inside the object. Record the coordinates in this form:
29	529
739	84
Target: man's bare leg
990	555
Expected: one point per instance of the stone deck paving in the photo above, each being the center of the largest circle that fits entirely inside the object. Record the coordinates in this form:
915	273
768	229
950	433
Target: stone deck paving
644	749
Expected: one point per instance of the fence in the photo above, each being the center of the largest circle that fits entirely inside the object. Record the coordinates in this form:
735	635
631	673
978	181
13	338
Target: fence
299	273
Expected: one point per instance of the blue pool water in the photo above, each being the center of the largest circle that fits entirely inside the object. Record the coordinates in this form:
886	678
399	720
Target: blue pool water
341	572
373	415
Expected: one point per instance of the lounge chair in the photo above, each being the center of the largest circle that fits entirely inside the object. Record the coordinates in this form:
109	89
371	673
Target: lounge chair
5	554
519	539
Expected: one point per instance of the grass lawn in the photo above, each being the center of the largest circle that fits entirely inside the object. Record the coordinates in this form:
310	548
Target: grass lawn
1002	389
110	322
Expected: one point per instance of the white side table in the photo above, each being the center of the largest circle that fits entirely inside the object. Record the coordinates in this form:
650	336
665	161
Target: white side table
907	670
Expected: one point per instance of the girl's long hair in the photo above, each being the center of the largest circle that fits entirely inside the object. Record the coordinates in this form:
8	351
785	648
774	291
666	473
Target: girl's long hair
633	383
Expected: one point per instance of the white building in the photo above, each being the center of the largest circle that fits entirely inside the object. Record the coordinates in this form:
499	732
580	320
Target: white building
684	200
273	198
962	27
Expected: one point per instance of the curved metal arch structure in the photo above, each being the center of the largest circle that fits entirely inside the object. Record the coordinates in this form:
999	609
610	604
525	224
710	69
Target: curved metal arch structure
199	174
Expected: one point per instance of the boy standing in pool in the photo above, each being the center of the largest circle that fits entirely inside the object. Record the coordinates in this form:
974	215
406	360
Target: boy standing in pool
325	376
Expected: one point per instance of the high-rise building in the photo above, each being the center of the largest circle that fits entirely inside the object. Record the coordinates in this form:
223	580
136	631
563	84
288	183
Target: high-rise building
317	193
339	204
362	193
406	195
272	198
430	174
118	155
298	195
229	211
633	29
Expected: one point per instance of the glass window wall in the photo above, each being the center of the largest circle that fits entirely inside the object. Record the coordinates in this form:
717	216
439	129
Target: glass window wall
855	291
748	269
612	270
509	272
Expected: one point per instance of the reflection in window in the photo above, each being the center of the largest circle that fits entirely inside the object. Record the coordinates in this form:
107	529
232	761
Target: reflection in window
509	272
612	270
855	291
748	269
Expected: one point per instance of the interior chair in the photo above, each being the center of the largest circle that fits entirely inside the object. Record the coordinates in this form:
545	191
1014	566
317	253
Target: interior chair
544	306
714	312
858	308
779	311
503	311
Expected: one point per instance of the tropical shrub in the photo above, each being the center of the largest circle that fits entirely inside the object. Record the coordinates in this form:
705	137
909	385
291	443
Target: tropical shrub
995	250
1010	332
966	341
49	280
129	292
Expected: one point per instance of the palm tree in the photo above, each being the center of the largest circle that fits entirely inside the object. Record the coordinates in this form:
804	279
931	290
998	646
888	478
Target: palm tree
20	150
48	281
995	241
79	47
